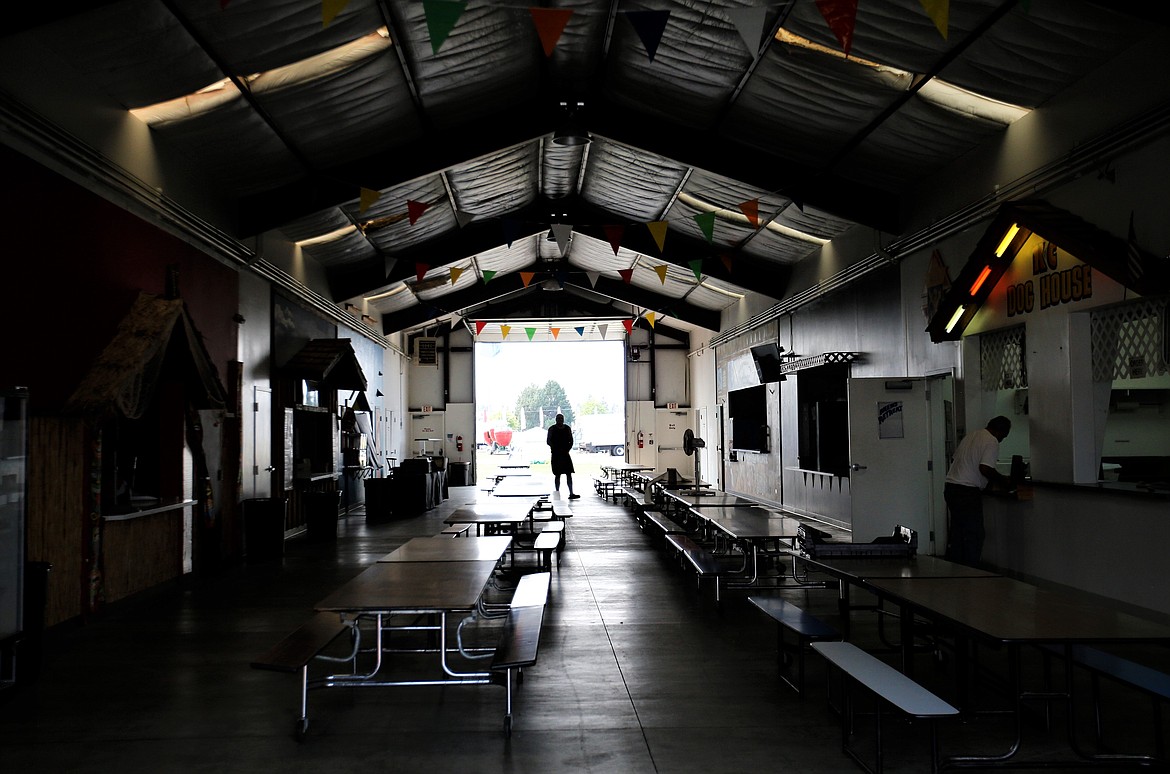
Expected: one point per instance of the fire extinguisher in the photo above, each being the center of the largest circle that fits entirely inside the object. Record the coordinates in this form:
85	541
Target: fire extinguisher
459	443
640	444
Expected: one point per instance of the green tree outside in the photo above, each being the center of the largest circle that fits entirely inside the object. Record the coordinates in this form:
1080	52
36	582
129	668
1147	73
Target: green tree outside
594	405
538	405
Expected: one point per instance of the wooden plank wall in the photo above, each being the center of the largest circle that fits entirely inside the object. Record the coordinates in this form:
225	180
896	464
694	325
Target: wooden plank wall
57	516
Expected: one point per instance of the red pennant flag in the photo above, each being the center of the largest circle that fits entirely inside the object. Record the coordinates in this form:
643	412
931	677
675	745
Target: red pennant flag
415	209
726	259
629	325
550	23
751	208
479	326
614	235
420	270
627	275
841	16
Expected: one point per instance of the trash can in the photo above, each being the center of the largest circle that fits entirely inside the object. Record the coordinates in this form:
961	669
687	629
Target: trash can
264	528
460	473
379	496
320	510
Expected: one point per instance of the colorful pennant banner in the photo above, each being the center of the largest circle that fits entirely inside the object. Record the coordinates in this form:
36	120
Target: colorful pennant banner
367	198
550	23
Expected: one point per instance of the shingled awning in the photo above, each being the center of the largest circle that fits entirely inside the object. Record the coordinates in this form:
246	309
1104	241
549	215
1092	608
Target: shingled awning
125	375
329	362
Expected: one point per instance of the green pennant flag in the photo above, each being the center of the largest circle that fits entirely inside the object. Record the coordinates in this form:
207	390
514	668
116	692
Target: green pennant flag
697	267
441	17
531	332
487	276
706	221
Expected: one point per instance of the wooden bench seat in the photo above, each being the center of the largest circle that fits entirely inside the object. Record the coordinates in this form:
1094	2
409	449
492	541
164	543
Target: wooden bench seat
663	525
807	628
546	544
604	487
632	495
531	590
295	651
519	641
891	687
704	563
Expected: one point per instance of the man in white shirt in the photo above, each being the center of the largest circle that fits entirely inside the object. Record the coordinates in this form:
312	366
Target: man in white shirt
972	469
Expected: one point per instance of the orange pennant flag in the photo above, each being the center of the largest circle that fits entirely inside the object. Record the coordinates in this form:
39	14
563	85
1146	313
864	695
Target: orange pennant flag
526	277
550	23
504	329
658	231
479	326
415	210
420	270
751	208
455	272
555	332
629	325
367	198
661	272
614	235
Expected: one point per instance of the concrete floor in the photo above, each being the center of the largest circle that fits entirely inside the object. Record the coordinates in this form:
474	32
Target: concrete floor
638	672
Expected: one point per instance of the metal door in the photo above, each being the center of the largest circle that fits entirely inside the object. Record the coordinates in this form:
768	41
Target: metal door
890	459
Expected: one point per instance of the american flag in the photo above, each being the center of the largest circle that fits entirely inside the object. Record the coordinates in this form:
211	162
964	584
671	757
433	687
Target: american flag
1133	254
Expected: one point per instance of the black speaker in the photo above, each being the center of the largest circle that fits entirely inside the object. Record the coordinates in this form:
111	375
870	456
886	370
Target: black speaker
767	358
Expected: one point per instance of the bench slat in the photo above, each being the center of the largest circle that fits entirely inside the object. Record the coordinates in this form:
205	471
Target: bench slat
298	648
520	639
665	525
702	560
792	617
532	590
887	682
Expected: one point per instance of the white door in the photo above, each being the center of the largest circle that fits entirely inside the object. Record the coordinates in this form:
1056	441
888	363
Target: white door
890	459
262	467
667	439
708	470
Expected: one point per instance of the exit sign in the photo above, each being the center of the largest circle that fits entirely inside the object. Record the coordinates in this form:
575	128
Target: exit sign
426	409
672	405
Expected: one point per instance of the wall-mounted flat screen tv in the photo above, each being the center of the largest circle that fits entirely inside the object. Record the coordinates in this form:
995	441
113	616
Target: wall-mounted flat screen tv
747	410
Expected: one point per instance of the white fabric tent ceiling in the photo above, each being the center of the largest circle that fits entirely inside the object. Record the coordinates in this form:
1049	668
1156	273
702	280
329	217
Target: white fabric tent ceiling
309	114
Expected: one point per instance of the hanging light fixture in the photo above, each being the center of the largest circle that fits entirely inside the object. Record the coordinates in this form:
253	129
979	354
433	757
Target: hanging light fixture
570	133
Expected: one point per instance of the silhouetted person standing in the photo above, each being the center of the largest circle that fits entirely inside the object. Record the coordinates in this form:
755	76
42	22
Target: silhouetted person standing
972	469
560	443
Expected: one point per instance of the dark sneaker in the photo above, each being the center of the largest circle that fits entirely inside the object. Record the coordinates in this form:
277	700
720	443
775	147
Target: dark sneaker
574	497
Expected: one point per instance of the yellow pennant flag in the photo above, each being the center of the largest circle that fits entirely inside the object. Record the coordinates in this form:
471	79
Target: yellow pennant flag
658	231
526	277
455	272
330	9
555	332
367	198
939	13
504	331
661	272
650	318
